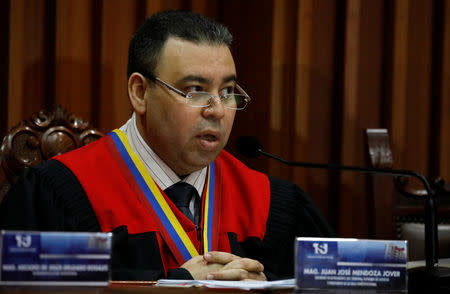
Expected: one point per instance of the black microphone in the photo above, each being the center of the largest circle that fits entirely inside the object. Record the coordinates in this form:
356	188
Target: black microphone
248	146
251	147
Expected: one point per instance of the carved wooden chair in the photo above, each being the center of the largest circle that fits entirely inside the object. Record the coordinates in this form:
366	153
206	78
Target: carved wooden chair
39	138
397	205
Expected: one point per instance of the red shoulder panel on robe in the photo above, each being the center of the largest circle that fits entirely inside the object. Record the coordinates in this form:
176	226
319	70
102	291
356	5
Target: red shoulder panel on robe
109	190
245	193
245	198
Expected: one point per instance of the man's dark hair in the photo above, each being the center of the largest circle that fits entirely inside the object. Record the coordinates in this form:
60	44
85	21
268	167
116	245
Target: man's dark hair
148	41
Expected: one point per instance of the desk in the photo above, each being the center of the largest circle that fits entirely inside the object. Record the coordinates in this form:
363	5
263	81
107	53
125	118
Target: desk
123	287
148	287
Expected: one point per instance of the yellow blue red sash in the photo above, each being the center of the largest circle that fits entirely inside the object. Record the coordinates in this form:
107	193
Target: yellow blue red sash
155	203
208	210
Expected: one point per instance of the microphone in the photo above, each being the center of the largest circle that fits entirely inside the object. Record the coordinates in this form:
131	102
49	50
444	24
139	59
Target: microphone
251	147
248	146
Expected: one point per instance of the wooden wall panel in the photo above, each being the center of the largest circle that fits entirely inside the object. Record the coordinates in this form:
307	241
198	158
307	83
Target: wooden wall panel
444	107
411	104
73	55
283	70
4	60
16	61
399	84
252	51
27	59
158	5
313	105
303	91
319	72
118	26
419	91
362	94
206	7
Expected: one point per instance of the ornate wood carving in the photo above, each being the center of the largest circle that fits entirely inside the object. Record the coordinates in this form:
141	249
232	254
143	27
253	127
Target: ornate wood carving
380	153
41	137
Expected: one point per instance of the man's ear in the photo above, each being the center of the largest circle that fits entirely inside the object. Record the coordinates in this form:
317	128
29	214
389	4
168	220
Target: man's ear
137	87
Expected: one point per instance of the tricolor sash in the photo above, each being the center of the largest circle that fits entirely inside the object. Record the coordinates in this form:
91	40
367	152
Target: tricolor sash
156	205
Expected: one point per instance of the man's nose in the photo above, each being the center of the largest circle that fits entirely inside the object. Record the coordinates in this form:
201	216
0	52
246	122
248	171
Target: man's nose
216	109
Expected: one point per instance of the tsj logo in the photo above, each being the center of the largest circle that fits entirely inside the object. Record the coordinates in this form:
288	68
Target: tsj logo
23	241
320	248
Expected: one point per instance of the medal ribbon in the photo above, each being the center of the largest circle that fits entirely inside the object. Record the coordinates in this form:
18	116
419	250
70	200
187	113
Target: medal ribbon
169	226
209	210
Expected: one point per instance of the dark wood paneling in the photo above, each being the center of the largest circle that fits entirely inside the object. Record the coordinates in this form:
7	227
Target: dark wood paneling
361	101
158	5
73	79
282	91
319	72
118	26
252	54
49	53
27	59
4	59
418	103
313	119
444	123
96	63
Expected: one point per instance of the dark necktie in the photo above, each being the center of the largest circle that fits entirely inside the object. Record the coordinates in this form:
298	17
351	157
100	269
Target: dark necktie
181	194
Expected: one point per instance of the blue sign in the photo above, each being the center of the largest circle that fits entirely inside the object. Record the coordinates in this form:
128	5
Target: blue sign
329	263
55	258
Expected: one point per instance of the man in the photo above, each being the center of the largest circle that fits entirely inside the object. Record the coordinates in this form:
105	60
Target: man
229	223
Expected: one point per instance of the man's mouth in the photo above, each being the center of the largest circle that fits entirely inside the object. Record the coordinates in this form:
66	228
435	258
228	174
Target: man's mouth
209	141
208	137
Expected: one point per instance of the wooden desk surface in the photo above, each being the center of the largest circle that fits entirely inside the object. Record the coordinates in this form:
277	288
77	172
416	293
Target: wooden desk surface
148	287
123	287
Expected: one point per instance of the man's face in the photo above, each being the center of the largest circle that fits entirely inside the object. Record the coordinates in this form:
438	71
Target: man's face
189	138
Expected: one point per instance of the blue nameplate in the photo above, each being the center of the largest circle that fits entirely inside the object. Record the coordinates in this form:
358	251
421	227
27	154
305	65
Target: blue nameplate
329	263
55	258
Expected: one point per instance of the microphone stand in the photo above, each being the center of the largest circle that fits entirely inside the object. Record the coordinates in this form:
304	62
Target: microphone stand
420	277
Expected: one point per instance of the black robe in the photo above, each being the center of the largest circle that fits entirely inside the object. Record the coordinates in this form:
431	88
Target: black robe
49	197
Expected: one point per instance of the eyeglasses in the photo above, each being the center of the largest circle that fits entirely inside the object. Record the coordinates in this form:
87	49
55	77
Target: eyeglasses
237	101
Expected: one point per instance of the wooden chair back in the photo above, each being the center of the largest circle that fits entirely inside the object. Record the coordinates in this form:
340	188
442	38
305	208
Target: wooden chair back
397	206
44	135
